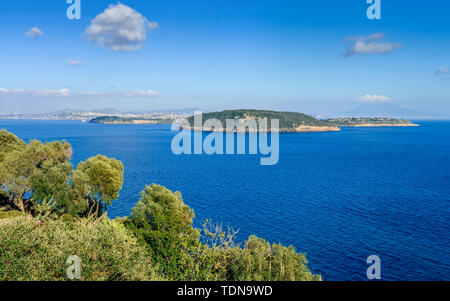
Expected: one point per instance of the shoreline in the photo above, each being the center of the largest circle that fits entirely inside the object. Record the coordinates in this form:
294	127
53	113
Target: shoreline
301	129
381	125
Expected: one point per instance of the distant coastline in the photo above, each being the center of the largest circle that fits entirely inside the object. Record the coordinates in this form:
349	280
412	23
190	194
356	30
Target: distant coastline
301	129
289	122
122	120
371	122
382	125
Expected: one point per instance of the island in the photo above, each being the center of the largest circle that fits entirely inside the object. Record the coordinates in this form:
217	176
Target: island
127	120
289	122
251	121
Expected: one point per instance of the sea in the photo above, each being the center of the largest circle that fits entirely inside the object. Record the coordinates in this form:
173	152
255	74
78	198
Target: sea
338	197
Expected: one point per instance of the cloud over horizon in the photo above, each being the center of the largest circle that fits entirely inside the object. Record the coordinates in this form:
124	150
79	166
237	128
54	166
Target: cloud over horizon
33	33
120	28
372	98
68	93
371	44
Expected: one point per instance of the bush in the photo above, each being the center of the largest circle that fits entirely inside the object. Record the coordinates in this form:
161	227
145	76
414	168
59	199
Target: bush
163	223
157	239
35	251
260	261
9	214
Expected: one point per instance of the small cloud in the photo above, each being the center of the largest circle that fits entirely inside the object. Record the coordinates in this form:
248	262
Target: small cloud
143	93
75	62
372	98
48	92
442	71
153	25
14	91
120	28
33	33
371	44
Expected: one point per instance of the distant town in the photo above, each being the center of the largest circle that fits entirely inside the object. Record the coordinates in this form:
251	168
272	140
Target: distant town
89	115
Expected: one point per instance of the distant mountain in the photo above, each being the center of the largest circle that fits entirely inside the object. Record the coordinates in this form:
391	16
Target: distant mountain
67	112
109	111
384	110
174	111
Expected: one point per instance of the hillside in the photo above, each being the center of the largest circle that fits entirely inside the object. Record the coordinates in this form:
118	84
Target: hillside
288	121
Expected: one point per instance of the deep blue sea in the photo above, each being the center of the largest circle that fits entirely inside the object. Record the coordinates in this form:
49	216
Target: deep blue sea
339	197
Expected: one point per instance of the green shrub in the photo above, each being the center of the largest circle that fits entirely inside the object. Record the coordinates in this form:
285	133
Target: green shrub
260	261
163	223
35	251
10	214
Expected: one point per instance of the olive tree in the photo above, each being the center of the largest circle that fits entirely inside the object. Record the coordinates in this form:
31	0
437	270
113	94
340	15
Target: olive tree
99	180
23	165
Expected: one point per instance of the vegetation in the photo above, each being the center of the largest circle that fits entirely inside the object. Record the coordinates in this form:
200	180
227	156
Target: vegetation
288	120
50	211
164	224
33	251
366	120
36	173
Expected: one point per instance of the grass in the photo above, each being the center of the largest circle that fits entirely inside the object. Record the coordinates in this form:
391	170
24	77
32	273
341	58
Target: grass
31	250
9	214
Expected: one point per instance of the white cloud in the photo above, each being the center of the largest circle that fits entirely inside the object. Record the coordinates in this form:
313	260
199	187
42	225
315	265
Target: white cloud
48	92
371	44
153	25
74	62
119	28
143	93
442	71
68	93
33	33
14	91
373	98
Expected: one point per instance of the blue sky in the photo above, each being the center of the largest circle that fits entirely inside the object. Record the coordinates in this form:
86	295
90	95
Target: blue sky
212	55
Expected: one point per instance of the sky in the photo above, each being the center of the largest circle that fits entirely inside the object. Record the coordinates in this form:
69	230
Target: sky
317	57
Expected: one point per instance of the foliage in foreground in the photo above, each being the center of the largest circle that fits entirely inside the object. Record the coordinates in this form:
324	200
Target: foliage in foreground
31	250
59	214
163	223
35	173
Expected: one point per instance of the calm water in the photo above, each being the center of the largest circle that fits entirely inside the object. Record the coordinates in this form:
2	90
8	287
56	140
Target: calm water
339	197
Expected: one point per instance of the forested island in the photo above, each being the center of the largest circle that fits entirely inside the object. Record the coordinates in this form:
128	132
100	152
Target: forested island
51	211
289	122
292	121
